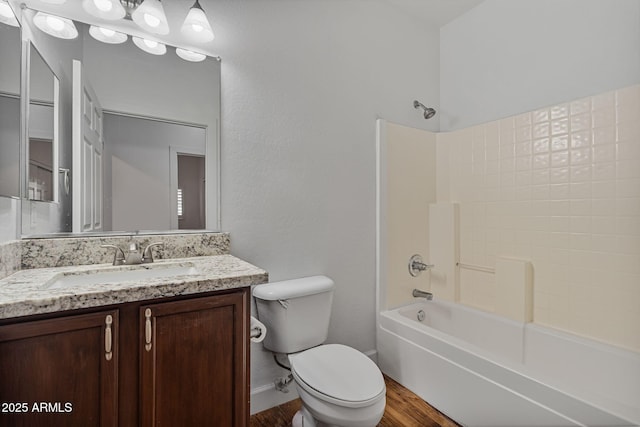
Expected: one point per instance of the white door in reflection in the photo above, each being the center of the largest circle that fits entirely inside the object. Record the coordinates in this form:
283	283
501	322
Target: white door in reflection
88	146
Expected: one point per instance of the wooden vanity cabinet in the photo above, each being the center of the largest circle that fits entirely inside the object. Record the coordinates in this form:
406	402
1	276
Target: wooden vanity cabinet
193	374
180	361
60	372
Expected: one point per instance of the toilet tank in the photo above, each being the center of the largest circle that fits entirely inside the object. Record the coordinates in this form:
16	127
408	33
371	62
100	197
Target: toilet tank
296	312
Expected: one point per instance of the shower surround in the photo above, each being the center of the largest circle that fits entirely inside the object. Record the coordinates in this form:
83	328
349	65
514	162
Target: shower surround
542	213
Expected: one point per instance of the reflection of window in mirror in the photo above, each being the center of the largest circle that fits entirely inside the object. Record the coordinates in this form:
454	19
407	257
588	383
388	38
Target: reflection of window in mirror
42	128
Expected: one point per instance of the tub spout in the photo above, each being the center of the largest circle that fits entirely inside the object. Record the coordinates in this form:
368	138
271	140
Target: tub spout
417	293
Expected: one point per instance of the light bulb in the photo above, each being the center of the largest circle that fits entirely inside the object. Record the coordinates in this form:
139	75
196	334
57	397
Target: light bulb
55	23
150	16
55	26
151	20
196	25
7	16
107	35
103	5
188	55
150	46
107	32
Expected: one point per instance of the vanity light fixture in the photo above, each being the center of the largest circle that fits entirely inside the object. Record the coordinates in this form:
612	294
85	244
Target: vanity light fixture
105	9
56	26
150	16
189	55
150	46
6	14
106	35
196	25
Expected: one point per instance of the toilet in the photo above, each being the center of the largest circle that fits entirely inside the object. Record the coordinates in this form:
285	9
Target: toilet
338	385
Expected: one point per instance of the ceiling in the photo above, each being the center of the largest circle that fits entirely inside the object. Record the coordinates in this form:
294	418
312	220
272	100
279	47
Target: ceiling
435	12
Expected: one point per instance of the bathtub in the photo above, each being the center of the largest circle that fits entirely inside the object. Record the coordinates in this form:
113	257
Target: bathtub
485	370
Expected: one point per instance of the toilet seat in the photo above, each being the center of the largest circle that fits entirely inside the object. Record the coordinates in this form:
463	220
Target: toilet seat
338	374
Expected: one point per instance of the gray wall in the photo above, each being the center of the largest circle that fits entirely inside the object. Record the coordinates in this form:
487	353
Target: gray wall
506	57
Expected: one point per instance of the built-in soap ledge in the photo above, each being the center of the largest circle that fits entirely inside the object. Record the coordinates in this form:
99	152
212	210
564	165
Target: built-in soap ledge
48	290
69	251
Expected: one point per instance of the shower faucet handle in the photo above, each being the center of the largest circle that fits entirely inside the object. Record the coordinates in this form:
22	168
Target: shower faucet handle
417	265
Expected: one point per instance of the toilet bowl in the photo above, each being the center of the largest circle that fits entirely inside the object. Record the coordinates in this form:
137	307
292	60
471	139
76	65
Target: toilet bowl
338	385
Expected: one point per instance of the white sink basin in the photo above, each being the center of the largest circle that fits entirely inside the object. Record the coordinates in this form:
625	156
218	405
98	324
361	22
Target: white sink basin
121	274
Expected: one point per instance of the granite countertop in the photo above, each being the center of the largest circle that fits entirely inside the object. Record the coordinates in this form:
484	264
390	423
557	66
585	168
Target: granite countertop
29	292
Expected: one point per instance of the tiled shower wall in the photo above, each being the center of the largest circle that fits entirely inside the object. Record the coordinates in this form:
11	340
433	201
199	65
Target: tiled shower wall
559	186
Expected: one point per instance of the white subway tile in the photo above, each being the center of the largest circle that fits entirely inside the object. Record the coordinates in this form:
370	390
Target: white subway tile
628	206
605	224
603	207
540	176
603	189
559	111
540	115
581	207
603	118
558	191
628	225
560	158
580	106
541	161
580	224
559	126
628	187
541	145
520	120
603	171
559	175
604	242
560	142
603	100
522	134
581	139
580	190
580	156
541	130
604	153
604	135
581	122
627	169
628	132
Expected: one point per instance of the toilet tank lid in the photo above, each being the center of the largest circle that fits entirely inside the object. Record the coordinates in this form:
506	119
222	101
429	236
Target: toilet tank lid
294	288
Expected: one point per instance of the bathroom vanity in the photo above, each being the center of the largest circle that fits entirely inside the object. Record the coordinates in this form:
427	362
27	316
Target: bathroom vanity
127	345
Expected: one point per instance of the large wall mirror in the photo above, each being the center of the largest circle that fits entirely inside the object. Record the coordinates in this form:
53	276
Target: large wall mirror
130	125
10	47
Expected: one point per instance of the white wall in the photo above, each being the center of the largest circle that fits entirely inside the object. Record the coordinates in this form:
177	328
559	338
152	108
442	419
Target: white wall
137	162
506	57
302	85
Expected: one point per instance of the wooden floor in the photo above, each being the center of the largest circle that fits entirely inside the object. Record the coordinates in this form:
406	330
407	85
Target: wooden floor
404	409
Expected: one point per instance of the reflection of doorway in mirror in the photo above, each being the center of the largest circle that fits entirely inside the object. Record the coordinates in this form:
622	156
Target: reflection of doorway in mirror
40	169
191	192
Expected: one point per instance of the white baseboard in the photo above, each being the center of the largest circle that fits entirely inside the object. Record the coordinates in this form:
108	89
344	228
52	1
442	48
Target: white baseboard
266	396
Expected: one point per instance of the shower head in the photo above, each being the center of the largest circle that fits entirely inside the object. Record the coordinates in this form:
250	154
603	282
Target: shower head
428	111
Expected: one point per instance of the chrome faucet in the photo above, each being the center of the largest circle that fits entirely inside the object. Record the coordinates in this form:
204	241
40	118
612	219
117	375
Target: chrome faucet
417	293
147	254
134	255
118	256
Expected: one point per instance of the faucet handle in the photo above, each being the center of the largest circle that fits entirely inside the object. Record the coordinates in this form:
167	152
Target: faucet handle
147	254
118	256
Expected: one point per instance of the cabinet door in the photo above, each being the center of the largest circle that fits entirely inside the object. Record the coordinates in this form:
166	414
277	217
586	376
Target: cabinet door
194	362
60	372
